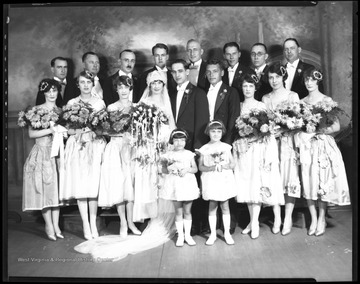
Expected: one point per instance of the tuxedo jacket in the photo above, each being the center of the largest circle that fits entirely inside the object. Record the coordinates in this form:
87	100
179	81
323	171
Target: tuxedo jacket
193	115
203	82
236	83
109	91
227	109
71	91
298	85
171	84
265	87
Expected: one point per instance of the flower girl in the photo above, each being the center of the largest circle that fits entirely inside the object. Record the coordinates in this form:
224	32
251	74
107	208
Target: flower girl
180	183
217	178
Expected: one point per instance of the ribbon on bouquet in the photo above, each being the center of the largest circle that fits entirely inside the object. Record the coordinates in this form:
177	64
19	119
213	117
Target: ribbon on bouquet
58	146
58	143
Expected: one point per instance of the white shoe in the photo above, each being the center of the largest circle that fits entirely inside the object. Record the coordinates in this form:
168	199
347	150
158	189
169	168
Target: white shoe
180	241
211	240
228	239
246	230
190	241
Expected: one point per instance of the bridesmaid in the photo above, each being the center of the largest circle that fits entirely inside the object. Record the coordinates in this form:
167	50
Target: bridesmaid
116	187
40	184
322	167
256	169
83	155
289	168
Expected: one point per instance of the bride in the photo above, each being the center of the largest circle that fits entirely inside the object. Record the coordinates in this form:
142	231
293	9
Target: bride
147	205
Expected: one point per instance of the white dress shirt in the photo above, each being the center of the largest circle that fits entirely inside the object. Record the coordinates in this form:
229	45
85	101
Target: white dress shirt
212	95
122	73
179	96
231	71
260	70
291	69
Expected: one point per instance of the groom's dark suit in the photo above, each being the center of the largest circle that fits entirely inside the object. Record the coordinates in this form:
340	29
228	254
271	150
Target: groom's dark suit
193	115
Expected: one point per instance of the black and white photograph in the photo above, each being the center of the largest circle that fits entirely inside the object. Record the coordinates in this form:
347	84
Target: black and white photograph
179	141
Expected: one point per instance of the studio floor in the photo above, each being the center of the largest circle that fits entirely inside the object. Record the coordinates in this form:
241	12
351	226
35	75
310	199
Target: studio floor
285	258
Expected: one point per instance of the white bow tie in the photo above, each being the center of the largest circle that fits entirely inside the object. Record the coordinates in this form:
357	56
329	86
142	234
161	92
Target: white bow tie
231	70
180	88
289	65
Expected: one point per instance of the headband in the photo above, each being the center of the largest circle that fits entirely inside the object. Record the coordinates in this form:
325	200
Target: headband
43	86
215	122
178	132
156	75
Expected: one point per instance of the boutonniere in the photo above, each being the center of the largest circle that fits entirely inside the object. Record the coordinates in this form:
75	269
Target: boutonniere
186	95
240	72
222	95
299	70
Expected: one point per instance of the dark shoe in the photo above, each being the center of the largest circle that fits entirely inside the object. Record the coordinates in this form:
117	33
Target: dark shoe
232	231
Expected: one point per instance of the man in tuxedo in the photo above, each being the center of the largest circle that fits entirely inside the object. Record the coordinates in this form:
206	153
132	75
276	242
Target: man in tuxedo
91	63
189	105
259	56
127	60
295	68
197	65
232	75
59	69
224	102
160	54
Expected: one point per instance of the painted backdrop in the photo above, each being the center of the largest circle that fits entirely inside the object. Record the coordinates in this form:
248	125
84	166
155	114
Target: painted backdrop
37	34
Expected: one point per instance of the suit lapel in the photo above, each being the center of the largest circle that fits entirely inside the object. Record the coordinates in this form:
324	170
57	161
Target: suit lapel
185	99
220	96
297	75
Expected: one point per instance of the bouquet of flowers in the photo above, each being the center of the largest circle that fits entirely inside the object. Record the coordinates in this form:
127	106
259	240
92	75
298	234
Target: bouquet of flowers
289	115
326	112
146	122
170	165
258	124
38	117
77	115
99	121
218	159
118	122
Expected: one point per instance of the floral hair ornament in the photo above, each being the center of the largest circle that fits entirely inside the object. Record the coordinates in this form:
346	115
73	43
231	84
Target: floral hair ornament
255	78
156	76
282	70
89	74
128	81
179	132
317	75
43	86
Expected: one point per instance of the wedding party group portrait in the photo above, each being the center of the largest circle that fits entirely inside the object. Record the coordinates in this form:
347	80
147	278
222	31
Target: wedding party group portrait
180	141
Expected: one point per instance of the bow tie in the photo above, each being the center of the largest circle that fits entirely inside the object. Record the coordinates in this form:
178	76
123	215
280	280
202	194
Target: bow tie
289	65
180	88
231	70
193	67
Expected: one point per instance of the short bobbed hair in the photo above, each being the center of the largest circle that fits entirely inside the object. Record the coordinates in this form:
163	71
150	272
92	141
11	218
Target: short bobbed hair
178	133
215	124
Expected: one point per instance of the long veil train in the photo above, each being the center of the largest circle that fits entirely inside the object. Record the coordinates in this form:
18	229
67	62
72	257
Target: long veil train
113	247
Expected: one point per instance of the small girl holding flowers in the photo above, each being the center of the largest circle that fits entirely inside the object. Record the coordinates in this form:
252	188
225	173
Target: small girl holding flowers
83	154
41	168
256	158
217	178
322	167
180	184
